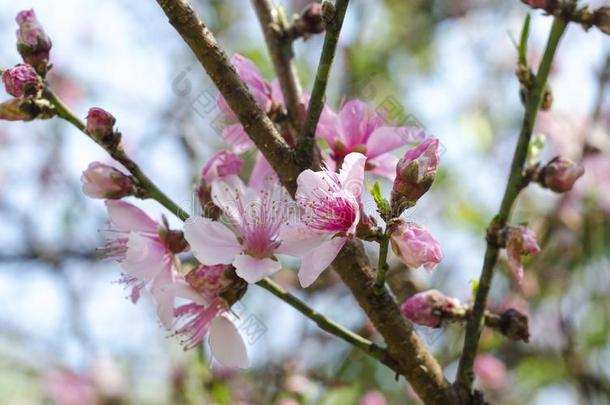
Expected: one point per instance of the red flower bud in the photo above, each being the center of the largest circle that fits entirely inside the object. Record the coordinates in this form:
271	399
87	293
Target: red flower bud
427	308
103	181
33	43
21	80
312	19
560	174
100	125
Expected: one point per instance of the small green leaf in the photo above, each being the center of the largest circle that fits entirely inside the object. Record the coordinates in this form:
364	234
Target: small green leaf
383	206
525	32
535	147
475	287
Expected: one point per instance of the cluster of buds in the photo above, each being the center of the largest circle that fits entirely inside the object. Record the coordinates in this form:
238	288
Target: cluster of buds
33	43
415	174
559	174
22	81
100	126
103	181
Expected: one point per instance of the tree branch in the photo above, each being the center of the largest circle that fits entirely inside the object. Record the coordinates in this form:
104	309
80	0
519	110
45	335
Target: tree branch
216	63
334	22
282	55
513	188
414	361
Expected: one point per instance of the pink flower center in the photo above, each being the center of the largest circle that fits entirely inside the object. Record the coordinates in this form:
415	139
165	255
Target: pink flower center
197	322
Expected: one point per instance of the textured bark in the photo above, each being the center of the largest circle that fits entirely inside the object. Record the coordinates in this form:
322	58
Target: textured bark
403	344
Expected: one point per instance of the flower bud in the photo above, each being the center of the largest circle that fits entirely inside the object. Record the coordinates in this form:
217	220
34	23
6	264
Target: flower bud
33	43
100	125
312	19
415	174
541	3
414	245
602	19
21	80
427	308
209	280
222	164
560	174
490	372
103	181
520	242
514	325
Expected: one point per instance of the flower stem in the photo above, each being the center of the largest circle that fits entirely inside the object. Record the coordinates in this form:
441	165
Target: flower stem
513	187
330	326
382	266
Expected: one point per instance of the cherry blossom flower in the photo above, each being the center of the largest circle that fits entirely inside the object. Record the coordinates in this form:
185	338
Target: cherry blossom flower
359	128
415	246
331	203
490	372
426	308
142	253
104	181
68	388
250	238
222	164
520	241
373	397
207	314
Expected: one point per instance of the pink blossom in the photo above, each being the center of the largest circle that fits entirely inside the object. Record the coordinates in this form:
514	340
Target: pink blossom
207	315
104	181
520	242
373	397
415	173
560	174
222	164
359	128
33	43
427	308
415	246
331	204
100	123
250	238
490	372
67	388
21	80
143	255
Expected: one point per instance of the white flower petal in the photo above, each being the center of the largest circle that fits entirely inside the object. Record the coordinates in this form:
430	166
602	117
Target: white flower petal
226	344
318	259
254	270
211	242
351	174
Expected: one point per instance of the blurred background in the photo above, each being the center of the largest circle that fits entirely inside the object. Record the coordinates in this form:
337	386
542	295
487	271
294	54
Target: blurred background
69	335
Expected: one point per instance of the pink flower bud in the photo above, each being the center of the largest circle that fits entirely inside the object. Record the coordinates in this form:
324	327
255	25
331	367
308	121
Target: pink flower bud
602	19
427	308
100	125
415	246
103	181
220	165
21	80
415	173
490	372
541	3
312	19
520	241
32	42
560	174
373	397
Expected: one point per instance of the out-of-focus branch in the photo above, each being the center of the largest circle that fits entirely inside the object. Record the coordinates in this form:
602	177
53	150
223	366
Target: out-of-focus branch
280	48
333	17
513	187
414	361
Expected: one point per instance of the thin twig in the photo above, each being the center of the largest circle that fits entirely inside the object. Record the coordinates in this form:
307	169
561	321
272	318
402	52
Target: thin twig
330	326
513	188
282	54
306	145
382	266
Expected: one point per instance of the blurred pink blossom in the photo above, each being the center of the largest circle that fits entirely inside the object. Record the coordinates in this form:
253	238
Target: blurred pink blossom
490	372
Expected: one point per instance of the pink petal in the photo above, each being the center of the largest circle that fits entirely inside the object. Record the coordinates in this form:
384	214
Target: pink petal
384	166
328	126
211	242
181	289
262	173
254	270
145	257
165	302
351	174
386	139
232	196
353	117
226	344
298	239
310	183
318	259
127	217
235	136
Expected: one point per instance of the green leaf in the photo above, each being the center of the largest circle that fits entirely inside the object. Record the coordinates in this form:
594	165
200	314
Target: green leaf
535	148
525	32
383	206
475	287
